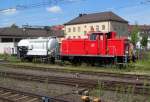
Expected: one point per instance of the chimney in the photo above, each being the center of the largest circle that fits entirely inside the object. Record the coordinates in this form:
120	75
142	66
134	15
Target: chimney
80	15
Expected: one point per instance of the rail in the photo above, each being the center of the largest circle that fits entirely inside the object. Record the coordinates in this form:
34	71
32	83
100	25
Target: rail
11	95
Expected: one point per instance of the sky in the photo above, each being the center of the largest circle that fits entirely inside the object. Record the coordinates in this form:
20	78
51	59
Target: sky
51	12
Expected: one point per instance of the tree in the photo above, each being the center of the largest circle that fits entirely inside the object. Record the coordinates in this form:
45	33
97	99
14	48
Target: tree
144	40
134	35
14	26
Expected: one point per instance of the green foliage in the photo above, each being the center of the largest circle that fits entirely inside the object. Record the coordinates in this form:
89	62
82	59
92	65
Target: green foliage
144	63
6	56
14	26
9	58
144	40
134	35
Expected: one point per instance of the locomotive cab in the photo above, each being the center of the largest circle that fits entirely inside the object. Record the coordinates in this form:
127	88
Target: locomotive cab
100	35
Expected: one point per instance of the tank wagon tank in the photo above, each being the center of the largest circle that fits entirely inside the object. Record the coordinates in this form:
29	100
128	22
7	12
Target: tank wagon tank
44	48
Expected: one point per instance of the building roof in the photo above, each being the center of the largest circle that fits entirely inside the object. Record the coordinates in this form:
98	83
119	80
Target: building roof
144	29
96	17
27	32
140	27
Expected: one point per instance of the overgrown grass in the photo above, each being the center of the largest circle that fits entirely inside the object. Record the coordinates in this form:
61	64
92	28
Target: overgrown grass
144	62
10	58
119	94
142	66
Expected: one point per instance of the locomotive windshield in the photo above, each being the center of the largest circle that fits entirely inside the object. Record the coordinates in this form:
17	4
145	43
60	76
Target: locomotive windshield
93	36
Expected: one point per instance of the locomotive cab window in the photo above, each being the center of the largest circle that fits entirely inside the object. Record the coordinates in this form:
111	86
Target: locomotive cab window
109	35
94	36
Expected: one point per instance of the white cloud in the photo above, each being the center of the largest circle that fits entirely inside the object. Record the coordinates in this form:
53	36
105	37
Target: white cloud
54	9
6	24
9	11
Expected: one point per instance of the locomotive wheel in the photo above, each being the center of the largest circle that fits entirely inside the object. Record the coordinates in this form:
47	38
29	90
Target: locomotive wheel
76	62
90	62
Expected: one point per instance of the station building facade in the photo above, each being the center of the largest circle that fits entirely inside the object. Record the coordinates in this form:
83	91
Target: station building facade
104	22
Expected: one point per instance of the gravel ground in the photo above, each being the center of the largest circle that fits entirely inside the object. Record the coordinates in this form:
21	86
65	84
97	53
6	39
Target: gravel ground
44	89
54	90
110	96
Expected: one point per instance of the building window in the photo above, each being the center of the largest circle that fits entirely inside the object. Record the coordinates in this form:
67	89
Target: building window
103	27
17	39
91	28
97	28
85	26
79	29
69	29
74	29
7	39
93	36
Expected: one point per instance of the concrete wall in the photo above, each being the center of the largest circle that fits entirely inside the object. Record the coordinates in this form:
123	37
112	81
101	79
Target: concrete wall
120	28
8	48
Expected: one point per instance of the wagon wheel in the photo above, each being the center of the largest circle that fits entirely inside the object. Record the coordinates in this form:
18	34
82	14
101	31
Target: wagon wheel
52	60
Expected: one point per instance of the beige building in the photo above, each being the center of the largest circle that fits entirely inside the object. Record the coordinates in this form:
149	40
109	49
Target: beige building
104	22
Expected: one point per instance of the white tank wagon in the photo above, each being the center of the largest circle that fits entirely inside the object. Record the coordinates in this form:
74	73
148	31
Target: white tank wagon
44	48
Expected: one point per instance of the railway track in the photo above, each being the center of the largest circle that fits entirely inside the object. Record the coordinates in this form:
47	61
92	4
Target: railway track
139	87
11	95
101	74
76	82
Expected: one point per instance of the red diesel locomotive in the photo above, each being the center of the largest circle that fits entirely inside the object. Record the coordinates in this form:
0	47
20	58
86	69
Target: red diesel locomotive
97	48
